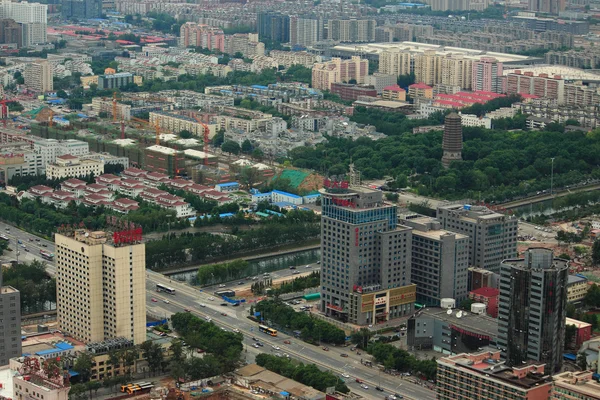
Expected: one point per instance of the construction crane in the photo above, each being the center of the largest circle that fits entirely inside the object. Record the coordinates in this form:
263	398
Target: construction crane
114	106
51	118
206	140
4	103
147	123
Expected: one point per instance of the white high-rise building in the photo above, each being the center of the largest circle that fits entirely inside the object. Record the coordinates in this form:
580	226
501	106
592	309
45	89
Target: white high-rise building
303	31
33	16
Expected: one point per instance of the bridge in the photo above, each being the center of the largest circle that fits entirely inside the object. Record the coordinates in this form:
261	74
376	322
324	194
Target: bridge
545	197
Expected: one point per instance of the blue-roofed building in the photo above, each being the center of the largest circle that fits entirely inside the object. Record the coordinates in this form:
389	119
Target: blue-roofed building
227	187
56	101
258	197
284	204
260	87
278	195
59	349
311	198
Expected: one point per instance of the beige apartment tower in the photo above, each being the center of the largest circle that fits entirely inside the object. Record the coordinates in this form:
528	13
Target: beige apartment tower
101	286
38	76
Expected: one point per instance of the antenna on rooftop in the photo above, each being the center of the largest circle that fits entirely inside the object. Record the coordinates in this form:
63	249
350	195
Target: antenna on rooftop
354	176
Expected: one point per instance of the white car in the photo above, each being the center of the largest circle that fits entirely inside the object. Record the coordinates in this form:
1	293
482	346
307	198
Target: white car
221	285
364	386
308	266
211	298
345	376
276	347
236	330
207	318
166	301
203	305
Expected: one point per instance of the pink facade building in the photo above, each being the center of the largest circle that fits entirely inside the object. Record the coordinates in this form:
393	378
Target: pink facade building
200	35
487	75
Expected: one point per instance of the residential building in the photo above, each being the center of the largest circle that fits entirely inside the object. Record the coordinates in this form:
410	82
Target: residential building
246	44
33	18
581	95
10	328
289	58
254	377
460	100
487	75
94	277
379	81
165	200
274	26
543	85
427	67
192	34
493	236
338	71
583	332
476	376
420	90
547	6
450	332
352	92
439	262
351	30
304	31
241	123
577	288
452	140
68	166
115	81
35	382
38	76
456	70
81	9
395	62
531	309
34	33
11	32
474	120
489	297
101	105
394	93
575	385
163	160
171	122
359	285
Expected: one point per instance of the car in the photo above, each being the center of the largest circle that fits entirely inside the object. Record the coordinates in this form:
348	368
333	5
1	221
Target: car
236	330
353	348
166	301
325	348
255	339
287	342
240	282
276	347
344	355
202	305
308	266
224	304
31	239
7	229
318	262
364	386
187	310
44	245
379	389
345	376
224	314
153	300
398	396
260	344
358	380
211	299
25	248
207	318
19	241
295	272
221	285
255	346
200	351
292	267
37	239
224	329
235	305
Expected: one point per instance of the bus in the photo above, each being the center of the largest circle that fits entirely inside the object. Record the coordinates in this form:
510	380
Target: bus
4	237
225	293
267	330
166	289
136	388
46	255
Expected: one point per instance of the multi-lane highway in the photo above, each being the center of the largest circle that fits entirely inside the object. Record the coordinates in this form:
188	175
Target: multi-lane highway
199	302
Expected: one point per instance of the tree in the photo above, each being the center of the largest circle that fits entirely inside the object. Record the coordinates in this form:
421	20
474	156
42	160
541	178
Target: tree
592	297
185	134
466	304
229	146
219	138
582	361
93	386
177	350
258	154
406	80
83	366
250	176
247	146
596	252
570	332
361	337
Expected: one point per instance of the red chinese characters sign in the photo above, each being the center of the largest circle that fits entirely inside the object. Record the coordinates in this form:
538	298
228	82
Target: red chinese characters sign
128	236
333	184
343	202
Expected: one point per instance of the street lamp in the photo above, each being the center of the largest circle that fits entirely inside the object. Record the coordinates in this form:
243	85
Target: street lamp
552	177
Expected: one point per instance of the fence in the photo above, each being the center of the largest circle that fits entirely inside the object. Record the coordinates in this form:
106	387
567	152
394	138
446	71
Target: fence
342	325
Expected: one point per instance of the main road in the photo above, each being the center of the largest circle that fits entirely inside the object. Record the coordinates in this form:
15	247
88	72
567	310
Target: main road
203	303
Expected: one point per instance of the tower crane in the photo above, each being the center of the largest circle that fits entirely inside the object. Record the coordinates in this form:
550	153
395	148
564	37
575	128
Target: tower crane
205	136
4	103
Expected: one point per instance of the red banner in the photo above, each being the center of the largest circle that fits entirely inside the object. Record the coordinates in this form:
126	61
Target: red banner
128	236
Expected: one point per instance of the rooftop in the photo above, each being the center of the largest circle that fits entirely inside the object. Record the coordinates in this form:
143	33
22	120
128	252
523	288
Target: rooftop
576	279
566	73
486	292
579	383
578	324
7	289
482	324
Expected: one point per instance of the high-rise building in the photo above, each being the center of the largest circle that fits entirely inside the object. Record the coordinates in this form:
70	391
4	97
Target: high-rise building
547	6
274	26
10	326
484	376
81	9
395	62
532	309
38	76
427	67
365	270
246	44
456	70
33	18
452	140
11	32
339	71
101	285
440	260
201	35
543	85
493	236
487	75
351	30
115	81
304	31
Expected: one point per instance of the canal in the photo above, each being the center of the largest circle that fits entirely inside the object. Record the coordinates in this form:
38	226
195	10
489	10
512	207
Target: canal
259	266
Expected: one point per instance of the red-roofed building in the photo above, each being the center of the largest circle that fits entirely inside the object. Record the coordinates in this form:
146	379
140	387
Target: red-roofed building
180	184
198	189
543	85
59	198
130	187
168	201
134	173
487	296
393	92
110	180
75	186
155	179
38	190
420	90
464	99
123	205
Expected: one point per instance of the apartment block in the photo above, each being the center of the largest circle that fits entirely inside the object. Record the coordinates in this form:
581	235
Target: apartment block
543	85
81	9
481	375
227	122
427	67
101	285
439	262
575	385
532	308
487	75
38	76
106	106
68	166
352	92
351	30
577	288
366	256
339	71
176	123
192	34
581	95
420	90
395	62
10	328
493	236
274	26
11	32
402	32
456	70
394	93
115	81
305	31
379	81
33	18
246	44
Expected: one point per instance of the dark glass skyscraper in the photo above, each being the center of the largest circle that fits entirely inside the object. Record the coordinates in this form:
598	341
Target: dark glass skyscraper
274	26
531	311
